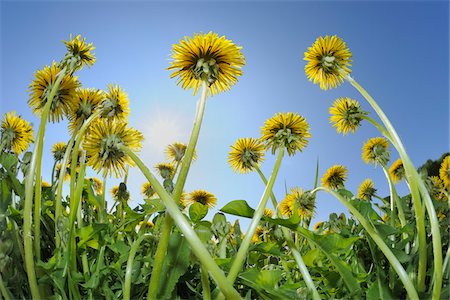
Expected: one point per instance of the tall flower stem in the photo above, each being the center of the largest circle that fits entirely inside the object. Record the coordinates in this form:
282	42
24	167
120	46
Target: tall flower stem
36	159
205	284
417	188
394	197
189	234
129	269
412	293
291	244
178	190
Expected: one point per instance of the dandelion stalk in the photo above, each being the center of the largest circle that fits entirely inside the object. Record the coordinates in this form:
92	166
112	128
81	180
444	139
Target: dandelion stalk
417	188
179	185
189	234
129	269
412	293
205	283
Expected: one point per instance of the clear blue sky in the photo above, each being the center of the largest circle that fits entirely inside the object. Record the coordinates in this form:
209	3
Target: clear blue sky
400	55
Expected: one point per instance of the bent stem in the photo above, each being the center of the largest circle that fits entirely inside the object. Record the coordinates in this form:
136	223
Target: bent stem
178	190
189	234
129	269
412	293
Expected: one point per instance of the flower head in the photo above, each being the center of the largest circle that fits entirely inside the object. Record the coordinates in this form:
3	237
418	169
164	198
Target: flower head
375	151
209	58
97	185
103	143
79	53
346	115
335	177
268	212
317	225
147	190
437	188
116	104
176	151
444	171
286	130
305	201
203	197
120	192
256	236
45	184
245	154
86	102
165	170
16	134
397	171
58	170
58	150
63	100
115	192
366	190
329	60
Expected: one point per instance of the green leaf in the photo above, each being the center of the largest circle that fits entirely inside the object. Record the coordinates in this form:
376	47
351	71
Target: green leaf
378	290
270	248
264	282
238	208
152	206
311	256
197	211
203	230
8	161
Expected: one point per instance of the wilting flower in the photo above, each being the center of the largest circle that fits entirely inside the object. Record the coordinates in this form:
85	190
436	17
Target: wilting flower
97	185
102	146
366	190
245	154
165	170
268	212
116	104
286	130
444	171
346	115
203	197
329	60
397	171
317	225
209	58
40	88
86	101
375	151
256	236
147	190
305	201
58	150
16	134
176	151
335	177
79	53
437	188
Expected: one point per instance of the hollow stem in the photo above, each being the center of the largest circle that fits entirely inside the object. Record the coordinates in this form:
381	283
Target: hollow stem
205	284
129	269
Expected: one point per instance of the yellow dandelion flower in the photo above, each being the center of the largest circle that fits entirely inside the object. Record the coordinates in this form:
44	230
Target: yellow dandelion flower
366	190
203	197
245	154
444	171
147	225
317	225
116	104
97	185
256	236
441	216
165	170
346	115
63	101
175	152
385	218
58	150
102	146
209	58
120	192
437	188
375	151
329	60
397	171
58	171
79	53
184	200
286	130
86	102
16	134
115	192
45	184
147	190
268	212
305	201
335	177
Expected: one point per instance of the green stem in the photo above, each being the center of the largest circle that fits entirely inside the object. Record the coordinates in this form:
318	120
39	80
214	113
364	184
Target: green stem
205	284
189	234
412	293
223	248
53	172
4	291
178	190
129	269
417	188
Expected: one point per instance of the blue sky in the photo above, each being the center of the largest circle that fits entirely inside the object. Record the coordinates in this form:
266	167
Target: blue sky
400	55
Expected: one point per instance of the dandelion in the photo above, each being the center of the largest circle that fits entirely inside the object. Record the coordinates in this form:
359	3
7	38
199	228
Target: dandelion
329	60
119	192
286	130
268	212
397	171
16	134
97	185
366	190
305	202
58	150
103	143
335	177
86	101
444	171
375	151
203	197
146	225
437	188
346	115
256	236
208	58
165	170
245	154
66	173
175	152
63	101
147	190
441	216
115	192
45	184
317	225
116	104
184	200
79	53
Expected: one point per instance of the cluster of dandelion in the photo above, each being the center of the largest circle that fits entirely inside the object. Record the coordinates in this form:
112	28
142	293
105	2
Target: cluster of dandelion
71	245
